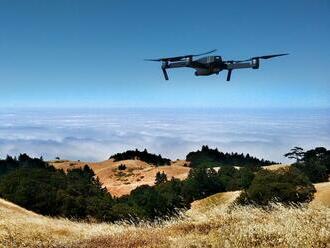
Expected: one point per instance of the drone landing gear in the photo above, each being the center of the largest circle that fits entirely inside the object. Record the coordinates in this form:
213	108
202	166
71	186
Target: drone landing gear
165	73
229	74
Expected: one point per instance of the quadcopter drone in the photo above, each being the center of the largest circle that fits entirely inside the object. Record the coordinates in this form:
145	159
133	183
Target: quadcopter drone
209	65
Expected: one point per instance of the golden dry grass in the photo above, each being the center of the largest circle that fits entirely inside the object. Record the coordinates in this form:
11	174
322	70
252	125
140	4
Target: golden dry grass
322	195
136	174
210	223
220	199
275	166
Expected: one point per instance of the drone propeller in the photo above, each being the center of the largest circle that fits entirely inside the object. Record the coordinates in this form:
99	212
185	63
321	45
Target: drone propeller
179	58
260	57
270	56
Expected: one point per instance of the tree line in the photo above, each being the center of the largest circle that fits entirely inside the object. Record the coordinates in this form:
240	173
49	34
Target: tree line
37	186
213	158
145	156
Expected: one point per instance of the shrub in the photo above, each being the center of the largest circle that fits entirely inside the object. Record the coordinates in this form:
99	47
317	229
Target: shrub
286	185
122	167
160	178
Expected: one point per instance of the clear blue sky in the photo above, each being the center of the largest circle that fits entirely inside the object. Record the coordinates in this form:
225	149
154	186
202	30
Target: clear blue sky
90	53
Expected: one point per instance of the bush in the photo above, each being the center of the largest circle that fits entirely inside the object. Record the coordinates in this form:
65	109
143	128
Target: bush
286	185
160	178
122	167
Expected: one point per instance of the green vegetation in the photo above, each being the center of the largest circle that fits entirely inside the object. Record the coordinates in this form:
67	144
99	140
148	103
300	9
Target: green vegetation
295	153
160	178
33	184
143	156
150	202
122	167
315	163
208	157
286	185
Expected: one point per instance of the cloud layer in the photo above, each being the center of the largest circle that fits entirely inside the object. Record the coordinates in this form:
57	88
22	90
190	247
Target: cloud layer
96	134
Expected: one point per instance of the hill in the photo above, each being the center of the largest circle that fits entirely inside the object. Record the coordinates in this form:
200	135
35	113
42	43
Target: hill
210	223
137	173
122	182
321	198
322	195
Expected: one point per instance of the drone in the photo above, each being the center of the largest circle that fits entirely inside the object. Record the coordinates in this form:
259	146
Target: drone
209	65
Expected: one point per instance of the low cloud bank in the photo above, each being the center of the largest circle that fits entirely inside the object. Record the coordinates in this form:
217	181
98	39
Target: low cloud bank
95	135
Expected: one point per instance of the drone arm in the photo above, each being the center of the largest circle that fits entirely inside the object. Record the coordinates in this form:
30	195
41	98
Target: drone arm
238	65
231	66
167	65
177	65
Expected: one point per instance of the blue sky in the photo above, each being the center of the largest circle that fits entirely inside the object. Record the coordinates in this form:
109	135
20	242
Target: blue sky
90	53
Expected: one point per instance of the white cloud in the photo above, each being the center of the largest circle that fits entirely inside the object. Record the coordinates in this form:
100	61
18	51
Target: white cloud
89	135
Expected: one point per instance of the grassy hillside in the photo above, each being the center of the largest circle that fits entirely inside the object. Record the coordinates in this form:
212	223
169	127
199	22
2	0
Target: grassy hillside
322	195
136	174
210	223
321	198
123	182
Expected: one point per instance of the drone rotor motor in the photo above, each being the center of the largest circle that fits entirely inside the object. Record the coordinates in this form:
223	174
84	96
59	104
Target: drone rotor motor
255	63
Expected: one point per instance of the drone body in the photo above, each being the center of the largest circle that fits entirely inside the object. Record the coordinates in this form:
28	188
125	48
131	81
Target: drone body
209	65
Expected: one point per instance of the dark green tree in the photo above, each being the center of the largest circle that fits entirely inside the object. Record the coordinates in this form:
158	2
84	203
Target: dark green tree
296	153
160	178
207	157
315	163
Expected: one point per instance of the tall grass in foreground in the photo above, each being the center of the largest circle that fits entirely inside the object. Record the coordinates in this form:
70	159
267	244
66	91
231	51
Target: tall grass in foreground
218	226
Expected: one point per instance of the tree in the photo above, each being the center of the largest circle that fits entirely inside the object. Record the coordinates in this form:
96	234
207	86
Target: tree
160	178
35	185
145	156
296	153
315	163
201	182
245	177
228	176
